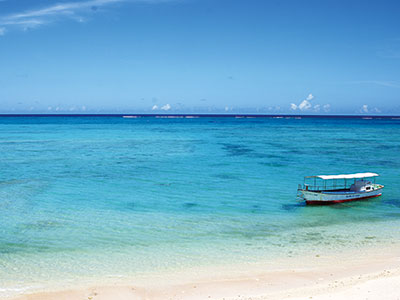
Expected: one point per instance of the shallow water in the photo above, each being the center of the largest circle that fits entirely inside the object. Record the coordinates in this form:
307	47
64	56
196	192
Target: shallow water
84	197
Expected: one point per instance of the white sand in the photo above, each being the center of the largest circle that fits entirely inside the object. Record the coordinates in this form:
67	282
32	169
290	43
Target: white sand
355	275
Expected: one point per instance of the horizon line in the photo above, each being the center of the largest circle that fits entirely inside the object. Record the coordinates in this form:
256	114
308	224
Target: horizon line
204	115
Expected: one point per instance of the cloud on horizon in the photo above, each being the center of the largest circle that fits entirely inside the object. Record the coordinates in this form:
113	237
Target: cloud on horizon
304	105
364	109
166	107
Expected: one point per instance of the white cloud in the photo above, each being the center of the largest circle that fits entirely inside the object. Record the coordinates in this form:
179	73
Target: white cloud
364	108
73	10
377	110
36	17
2	31
83	108
385	83
154	107
66	8
274	108
166	107
304	105
49	108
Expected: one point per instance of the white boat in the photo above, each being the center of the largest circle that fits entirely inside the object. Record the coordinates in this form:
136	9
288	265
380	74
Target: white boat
330	189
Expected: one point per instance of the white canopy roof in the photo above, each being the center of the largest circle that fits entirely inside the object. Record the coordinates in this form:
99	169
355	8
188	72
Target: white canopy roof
345	176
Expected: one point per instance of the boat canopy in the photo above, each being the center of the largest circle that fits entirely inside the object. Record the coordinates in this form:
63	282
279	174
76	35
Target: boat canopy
345	176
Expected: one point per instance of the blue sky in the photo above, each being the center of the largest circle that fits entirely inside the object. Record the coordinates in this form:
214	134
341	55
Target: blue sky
196	56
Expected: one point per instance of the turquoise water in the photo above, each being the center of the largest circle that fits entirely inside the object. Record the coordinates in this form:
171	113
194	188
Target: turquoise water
82	197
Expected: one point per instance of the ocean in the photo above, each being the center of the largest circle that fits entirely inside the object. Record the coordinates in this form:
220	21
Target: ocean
89	197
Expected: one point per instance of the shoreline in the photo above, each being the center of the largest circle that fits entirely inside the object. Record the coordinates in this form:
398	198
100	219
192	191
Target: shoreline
351	274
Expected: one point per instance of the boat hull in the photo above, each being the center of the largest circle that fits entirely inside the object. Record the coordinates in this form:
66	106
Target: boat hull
324	198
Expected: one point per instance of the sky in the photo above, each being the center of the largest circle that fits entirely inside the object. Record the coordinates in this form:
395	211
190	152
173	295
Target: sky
200	56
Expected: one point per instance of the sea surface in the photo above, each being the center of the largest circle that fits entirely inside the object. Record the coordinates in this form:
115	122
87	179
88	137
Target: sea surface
82	197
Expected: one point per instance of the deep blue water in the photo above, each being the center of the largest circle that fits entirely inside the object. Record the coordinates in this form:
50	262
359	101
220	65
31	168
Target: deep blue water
99	196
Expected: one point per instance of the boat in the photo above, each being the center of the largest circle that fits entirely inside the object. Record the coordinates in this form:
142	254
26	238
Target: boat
330	189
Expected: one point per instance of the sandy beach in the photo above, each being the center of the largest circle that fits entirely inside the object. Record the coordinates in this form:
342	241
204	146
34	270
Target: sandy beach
356	275
199	149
